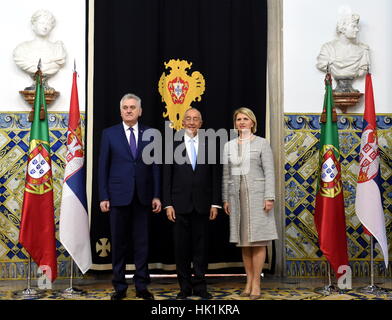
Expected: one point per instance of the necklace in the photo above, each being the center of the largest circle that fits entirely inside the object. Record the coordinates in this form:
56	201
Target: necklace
242	139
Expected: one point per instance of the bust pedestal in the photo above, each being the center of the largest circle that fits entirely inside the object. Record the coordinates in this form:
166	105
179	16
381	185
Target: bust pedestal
29	96
343	100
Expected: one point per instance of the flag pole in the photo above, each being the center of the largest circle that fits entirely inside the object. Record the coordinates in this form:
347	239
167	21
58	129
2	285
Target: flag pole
369	175
371	262
29	293
71	277
329	288
71	291
329	137
372	288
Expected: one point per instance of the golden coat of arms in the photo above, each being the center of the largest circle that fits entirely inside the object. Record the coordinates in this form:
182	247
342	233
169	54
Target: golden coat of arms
331	183
179	90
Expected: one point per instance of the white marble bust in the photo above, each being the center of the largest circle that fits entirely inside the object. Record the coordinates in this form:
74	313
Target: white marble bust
52	54
346	57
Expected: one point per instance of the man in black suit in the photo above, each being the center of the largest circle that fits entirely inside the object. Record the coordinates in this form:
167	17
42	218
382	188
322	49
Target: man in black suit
191	194
130	189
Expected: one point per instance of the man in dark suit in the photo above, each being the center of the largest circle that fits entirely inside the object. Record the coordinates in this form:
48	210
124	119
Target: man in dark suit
191	194
129	188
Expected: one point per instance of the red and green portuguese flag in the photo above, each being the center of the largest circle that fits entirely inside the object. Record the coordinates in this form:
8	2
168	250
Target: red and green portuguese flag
329	214
37	228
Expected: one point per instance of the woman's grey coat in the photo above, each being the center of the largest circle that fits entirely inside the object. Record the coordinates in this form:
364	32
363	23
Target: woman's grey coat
257	167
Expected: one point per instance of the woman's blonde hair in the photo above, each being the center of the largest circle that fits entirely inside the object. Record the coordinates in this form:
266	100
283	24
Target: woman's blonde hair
249	113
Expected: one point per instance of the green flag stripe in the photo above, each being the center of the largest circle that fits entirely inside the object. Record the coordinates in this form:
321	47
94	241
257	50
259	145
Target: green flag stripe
329	129
39	128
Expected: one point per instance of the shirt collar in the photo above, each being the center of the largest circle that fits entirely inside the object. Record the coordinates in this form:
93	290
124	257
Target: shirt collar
187	138
135	127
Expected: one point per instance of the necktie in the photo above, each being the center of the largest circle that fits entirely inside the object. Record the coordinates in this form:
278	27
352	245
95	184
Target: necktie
193	156
132	143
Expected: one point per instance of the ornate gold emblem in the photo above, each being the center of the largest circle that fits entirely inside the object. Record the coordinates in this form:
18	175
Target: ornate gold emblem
103	247
178	90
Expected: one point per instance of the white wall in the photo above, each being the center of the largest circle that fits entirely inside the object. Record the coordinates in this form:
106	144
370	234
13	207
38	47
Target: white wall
15	28
310	23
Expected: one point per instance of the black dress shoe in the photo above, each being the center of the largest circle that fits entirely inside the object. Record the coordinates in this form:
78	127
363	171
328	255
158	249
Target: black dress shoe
144	294
118	295
203	294
183	295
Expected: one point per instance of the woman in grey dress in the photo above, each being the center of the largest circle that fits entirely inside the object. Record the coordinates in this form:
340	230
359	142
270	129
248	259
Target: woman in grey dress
248	194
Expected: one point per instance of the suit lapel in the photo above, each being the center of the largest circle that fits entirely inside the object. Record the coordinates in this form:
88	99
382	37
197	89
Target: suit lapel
140	143
181	144
200	150
123	139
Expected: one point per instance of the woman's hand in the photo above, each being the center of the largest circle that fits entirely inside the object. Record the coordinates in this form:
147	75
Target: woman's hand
226	207
268	205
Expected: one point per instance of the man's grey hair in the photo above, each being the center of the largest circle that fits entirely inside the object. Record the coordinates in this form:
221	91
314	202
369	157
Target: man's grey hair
193	108
131	96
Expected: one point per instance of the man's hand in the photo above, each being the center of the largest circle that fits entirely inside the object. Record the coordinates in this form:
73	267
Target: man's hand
171	214
156	205
105	205
226	207
213	213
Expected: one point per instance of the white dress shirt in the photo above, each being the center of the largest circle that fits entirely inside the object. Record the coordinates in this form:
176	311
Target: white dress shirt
128	132
188	145
188	151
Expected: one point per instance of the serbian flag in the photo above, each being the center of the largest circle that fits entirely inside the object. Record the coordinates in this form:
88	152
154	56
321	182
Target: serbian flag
329	214
37	228
74	222
368	203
